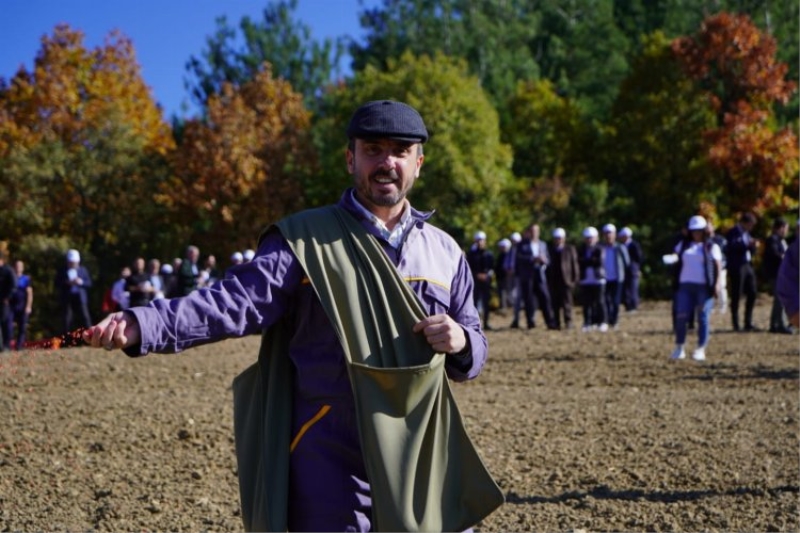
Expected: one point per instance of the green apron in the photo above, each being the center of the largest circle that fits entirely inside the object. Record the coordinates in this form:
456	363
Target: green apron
423	470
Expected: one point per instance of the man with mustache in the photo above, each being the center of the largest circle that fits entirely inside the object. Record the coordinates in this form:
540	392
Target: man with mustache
328	485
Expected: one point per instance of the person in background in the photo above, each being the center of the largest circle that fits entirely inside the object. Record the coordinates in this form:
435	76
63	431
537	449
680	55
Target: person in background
502	279
530	260
210	272
189	273
719	240
774	250
511	259
328	489
170	281
698	268
562	276
21	305
741	249
616	263
787	286
630	290
8	285
481	264
119	293
138	286
73	282
154	276
591	260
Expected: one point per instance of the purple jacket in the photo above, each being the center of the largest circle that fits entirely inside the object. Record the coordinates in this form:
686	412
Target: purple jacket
787	286
255	295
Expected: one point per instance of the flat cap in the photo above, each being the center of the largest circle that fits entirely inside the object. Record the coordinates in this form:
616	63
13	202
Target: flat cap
389	119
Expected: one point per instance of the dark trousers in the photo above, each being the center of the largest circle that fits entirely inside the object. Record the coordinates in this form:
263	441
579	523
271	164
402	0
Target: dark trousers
742	282
542	299
631	292
525	296
562	303
612	298
481	296
5	326
78	311
19	318
594	307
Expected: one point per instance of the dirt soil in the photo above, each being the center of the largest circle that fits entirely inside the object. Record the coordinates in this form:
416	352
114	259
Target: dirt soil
583	432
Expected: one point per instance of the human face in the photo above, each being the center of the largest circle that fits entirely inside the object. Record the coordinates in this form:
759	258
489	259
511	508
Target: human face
384	170
698	235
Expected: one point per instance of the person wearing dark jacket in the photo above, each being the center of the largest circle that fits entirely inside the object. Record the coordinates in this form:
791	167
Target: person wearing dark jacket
8	285
774	250
562	275
591	260
630	290
481	263
73	283
741	249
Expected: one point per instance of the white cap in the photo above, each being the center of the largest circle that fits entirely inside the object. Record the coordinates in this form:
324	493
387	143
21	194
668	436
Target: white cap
609	228
504	244
166	269
559	233
73	256
237	257
248	255
625	232
516	237
479	236
590	231
697	222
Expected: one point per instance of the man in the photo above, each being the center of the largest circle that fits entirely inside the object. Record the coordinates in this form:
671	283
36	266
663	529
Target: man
562	275
774	250
719	240
630	289
502	279
616	263
530	261
73	283
741	249
138	285
591	260
481	263
188	274
21	303
787	286
328	489
8	284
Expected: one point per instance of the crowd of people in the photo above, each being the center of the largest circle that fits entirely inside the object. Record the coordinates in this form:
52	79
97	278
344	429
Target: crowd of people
527	274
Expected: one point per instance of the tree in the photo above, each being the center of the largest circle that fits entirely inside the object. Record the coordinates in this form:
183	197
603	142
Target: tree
82	149
240	168
467	169
734	63
279	39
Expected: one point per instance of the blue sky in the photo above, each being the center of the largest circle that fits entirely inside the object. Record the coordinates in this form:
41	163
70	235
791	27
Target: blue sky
165	33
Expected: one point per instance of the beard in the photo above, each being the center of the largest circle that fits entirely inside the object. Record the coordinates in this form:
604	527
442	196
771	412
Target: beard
383	199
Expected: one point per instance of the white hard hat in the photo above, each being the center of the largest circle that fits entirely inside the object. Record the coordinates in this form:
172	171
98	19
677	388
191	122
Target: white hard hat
697	222
479	236
559	233
590	231
504	243
73	256
248	255
237	257
166	269
609	228
625	232
516	237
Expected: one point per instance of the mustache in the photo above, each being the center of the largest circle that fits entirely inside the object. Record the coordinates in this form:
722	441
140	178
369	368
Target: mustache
392	174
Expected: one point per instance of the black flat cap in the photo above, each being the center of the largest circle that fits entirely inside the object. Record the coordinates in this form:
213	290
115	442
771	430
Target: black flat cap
389	119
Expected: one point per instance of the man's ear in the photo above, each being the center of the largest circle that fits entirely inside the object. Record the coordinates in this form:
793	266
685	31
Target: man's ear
420	159
349	158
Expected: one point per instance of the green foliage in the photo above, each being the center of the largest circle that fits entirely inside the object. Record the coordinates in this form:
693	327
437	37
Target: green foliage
467	168
279	39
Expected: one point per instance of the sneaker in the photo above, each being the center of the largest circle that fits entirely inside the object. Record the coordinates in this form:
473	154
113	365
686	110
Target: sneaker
603	327
699	354
586	329
678	353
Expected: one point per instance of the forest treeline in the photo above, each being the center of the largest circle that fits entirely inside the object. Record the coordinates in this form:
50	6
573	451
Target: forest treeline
565	112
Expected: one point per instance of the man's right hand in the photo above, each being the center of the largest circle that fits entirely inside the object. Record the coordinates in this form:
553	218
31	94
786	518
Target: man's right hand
116	331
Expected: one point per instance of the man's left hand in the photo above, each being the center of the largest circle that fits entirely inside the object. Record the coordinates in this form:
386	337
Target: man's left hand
443	333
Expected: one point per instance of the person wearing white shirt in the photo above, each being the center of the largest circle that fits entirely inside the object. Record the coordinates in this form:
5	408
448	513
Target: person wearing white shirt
699	266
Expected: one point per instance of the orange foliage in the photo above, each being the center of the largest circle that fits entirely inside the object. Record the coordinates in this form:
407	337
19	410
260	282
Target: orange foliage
237	169
72	89
735	62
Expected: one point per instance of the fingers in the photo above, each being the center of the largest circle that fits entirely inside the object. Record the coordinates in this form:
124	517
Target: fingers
108	333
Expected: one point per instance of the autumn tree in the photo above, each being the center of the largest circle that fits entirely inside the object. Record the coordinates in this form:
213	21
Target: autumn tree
82	144
735	64
466	176
240	167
